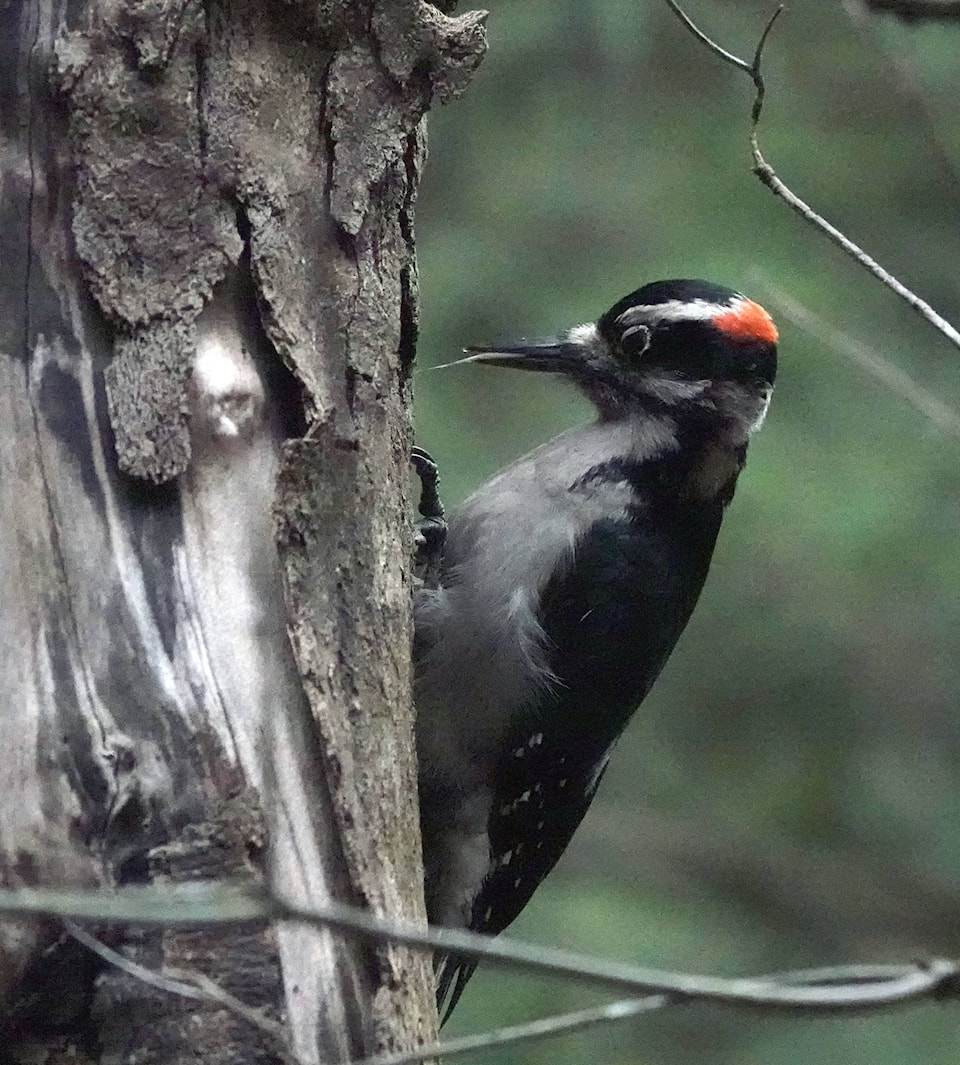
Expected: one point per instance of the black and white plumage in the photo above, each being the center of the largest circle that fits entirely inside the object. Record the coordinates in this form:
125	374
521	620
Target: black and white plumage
566	582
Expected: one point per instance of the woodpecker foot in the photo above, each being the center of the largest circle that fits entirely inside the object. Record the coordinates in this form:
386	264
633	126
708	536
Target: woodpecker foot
431	531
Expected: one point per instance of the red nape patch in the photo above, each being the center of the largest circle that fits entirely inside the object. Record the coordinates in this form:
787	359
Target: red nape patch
747	321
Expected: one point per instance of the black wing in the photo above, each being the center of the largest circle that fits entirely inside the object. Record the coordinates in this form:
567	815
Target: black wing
610	620
541	802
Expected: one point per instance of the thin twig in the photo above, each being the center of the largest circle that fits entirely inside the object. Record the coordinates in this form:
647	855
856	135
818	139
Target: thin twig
193	985
544	1028
942	415
767	176
844	989
196	985
131	968
728	57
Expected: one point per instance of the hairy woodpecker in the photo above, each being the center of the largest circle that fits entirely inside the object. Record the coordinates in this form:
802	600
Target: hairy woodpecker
565	582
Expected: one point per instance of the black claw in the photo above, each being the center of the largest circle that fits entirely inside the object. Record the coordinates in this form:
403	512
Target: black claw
429	474
432	530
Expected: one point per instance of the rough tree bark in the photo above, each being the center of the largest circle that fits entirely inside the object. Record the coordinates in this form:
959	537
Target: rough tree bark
207	321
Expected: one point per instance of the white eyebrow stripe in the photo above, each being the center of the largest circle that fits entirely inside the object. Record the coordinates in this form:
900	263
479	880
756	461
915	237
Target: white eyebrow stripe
698	310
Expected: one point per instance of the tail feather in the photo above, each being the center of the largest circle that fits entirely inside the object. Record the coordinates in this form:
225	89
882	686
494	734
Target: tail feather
452	974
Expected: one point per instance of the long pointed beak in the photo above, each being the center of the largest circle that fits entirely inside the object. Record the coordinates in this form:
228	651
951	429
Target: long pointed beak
551	356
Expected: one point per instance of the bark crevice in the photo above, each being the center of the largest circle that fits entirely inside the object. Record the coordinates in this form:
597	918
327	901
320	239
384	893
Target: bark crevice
203	470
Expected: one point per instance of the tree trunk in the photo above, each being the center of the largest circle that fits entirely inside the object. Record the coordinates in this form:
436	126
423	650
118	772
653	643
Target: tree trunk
208	323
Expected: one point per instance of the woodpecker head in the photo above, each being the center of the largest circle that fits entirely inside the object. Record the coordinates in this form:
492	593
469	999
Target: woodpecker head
668	347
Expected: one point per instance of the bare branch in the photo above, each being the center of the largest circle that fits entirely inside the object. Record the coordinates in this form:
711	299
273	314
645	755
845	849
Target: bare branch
189	985
131	968
727	57
768	177
530	1030
836	990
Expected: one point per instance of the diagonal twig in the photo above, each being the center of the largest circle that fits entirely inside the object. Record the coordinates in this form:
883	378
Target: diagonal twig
768	176
527	1031
196	985
188	984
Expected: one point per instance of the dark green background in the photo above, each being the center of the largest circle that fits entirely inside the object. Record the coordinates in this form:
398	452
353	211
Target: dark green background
788	795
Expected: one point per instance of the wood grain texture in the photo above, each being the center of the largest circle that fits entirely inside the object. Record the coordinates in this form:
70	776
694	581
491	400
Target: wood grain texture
207	322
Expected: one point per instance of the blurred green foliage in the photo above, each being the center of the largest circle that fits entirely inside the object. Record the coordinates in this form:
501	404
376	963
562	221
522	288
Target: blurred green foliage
788	795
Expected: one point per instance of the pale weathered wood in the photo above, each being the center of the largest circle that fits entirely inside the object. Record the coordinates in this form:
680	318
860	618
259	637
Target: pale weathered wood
207	321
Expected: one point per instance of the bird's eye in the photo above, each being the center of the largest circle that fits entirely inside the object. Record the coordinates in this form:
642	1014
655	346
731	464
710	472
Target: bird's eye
635	340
